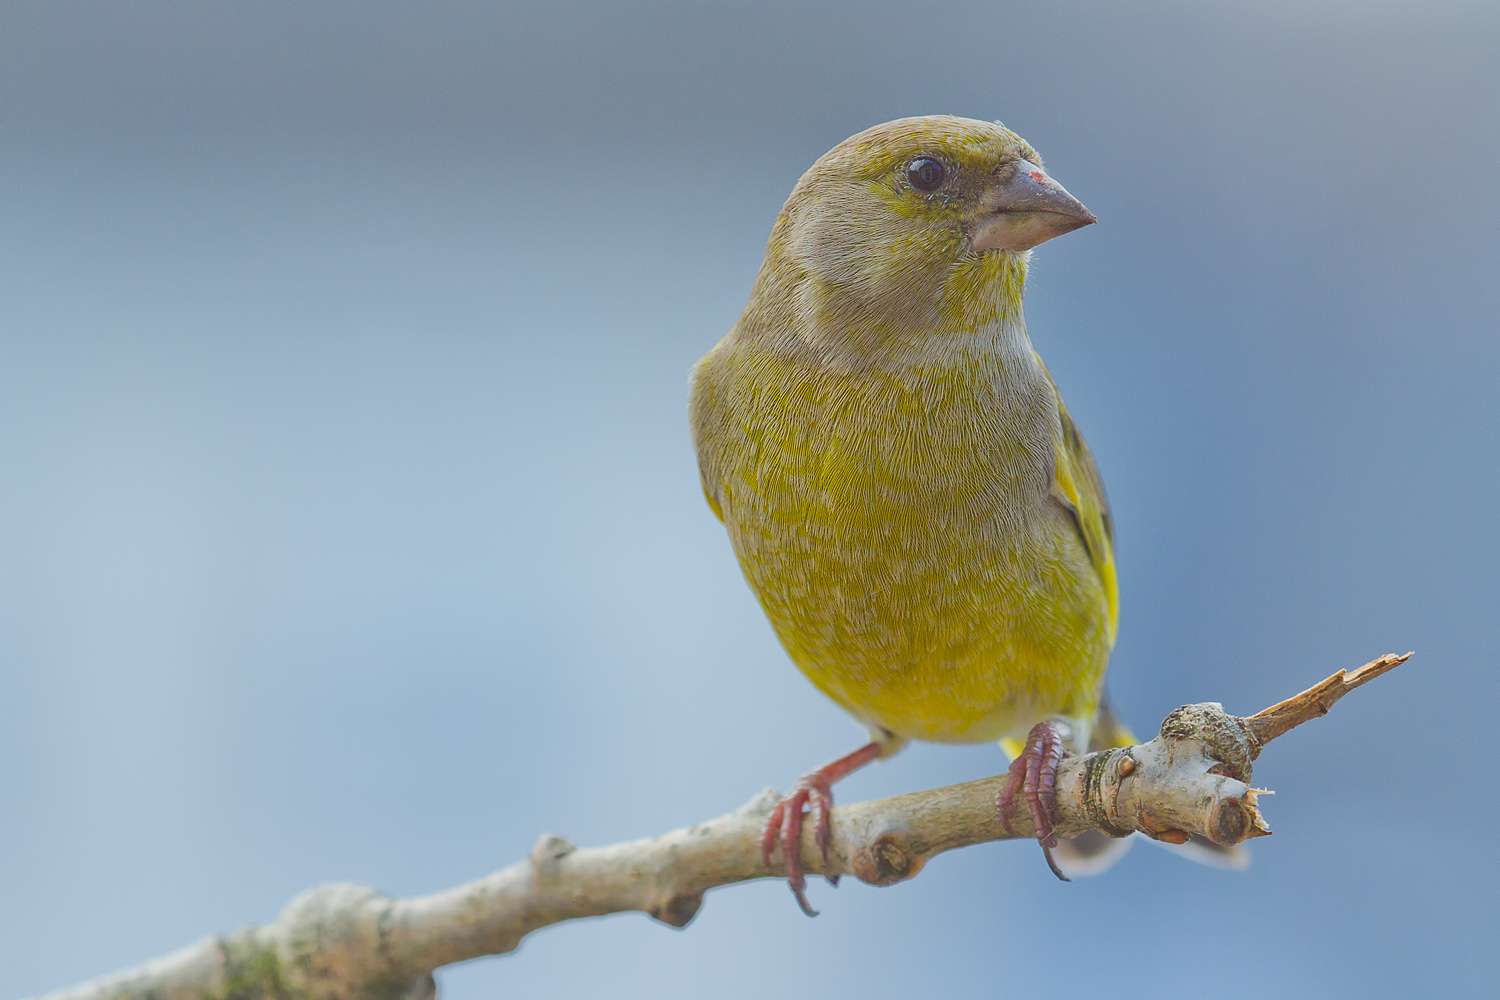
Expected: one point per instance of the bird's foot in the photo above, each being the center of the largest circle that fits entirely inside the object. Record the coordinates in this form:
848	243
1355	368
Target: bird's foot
814	792
784	826
1034	776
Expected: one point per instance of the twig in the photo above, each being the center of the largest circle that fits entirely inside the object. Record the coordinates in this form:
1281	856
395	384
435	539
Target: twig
1285	716
347	941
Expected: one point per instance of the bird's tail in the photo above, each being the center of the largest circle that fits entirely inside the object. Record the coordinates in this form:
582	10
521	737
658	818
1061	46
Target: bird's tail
1092	852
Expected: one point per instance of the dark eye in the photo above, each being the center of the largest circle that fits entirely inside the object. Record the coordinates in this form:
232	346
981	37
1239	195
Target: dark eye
925	173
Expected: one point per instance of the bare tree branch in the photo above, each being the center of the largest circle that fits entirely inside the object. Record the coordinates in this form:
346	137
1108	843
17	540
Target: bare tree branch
352	943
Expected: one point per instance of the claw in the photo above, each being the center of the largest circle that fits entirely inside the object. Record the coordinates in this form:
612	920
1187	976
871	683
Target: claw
1051	861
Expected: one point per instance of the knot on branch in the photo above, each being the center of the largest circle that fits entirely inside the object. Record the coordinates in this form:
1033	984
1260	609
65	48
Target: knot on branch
760	804
678	910
548	851
886	858
1226	737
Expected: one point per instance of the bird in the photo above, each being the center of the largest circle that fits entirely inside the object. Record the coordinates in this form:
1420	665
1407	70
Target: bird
906	493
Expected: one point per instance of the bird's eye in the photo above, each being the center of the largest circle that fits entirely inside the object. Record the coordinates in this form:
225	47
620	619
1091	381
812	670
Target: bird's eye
925	173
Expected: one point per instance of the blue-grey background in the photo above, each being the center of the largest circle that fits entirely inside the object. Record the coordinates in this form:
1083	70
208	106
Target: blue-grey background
349	525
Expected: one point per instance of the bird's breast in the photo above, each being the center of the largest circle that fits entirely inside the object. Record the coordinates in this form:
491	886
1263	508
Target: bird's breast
897	529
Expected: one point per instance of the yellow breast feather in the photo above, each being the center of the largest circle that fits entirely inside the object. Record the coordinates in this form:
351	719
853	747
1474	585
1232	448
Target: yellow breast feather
902	533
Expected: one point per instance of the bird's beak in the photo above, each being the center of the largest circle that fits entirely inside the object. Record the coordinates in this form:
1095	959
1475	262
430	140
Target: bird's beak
1024	207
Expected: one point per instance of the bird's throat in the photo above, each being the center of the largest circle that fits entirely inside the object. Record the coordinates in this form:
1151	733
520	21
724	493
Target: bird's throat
973	303
984	290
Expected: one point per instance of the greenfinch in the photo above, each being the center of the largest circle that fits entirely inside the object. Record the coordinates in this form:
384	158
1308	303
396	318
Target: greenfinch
908	498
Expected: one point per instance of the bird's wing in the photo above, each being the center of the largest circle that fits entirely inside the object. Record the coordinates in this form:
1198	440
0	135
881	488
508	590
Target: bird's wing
705	414
1078	488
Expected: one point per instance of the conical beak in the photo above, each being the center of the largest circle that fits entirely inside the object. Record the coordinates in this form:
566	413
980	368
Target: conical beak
1024	208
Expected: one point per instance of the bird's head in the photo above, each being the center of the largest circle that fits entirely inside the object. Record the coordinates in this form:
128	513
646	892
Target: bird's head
916	225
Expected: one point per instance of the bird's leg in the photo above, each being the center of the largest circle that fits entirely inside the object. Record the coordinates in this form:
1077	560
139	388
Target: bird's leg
815	791
1034	775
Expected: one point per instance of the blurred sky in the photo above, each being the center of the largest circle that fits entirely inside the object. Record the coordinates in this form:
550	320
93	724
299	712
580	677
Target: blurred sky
349	525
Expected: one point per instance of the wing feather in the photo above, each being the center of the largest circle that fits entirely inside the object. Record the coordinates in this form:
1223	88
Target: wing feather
1079	489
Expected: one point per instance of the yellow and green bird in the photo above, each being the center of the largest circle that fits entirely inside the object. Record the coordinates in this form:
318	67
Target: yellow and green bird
907	495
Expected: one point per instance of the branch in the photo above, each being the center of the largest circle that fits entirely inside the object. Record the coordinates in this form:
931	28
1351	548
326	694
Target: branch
348	941
1285	716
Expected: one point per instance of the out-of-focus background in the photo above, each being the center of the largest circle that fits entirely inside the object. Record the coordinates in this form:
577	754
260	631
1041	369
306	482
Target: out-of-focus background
350	529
